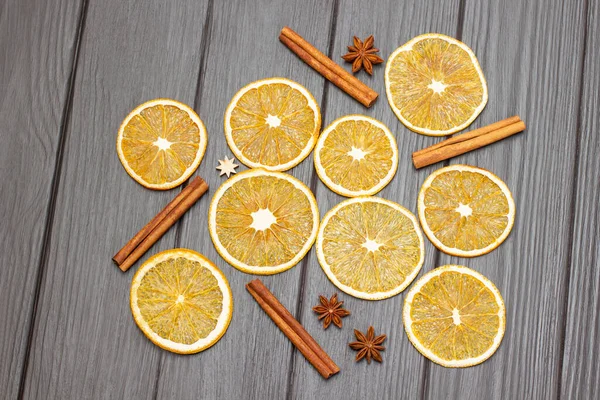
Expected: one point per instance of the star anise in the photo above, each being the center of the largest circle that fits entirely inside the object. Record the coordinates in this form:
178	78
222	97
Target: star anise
363	55
368	346
331	311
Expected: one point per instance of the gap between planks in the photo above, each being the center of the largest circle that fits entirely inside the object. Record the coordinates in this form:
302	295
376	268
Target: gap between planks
55	184
313	187
206	30
436	252
578	135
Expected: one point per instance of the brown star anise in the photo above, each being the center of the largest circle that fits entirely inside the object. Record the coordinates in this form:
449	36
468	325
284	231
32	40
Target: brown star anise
368	346
363	55
331	311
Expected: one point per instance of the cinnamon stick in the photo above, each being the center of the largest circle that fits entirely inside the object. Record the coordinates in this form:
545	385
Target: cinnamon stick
292	329
149	234
466	142
327	67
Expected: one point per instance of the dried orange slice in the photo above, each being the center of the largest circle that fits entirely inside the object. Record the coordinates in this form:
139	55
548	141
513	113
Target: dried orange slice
435	85
272	123
161	143
370	248
455	316
356	156
465	211
181	301
263	222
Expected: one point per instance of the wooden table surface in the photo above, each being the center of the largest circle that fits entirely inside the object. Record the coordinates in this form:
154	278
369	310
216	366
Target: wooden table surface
71	70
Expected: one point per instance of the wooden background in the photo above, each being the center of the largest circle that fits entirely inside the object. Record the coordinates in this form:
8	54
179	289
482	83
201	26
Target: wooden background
71	70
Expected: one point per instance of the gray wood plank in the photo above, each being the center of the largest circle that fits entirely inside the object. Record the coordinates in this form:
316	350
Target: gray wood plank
85	343
530	53
252	359
400	375
580	373
37	45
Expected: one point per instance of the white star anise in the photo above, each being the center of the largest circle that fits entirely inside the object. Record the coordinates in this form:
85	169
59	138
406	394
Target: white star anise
227	166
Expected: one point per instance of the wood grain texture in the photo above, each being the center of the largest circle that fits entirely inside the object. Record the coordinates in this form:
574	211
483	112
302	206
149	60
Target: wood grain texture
541	62
580	373
530	53
37	46
85	343
400	375
252	359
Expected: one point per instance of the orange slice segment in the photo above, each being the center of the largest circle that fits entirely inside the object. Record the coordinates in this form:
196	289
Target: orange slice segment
272	123
356	156
370	248
263	222
181	301
465	211
455	316
161	143
435	85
